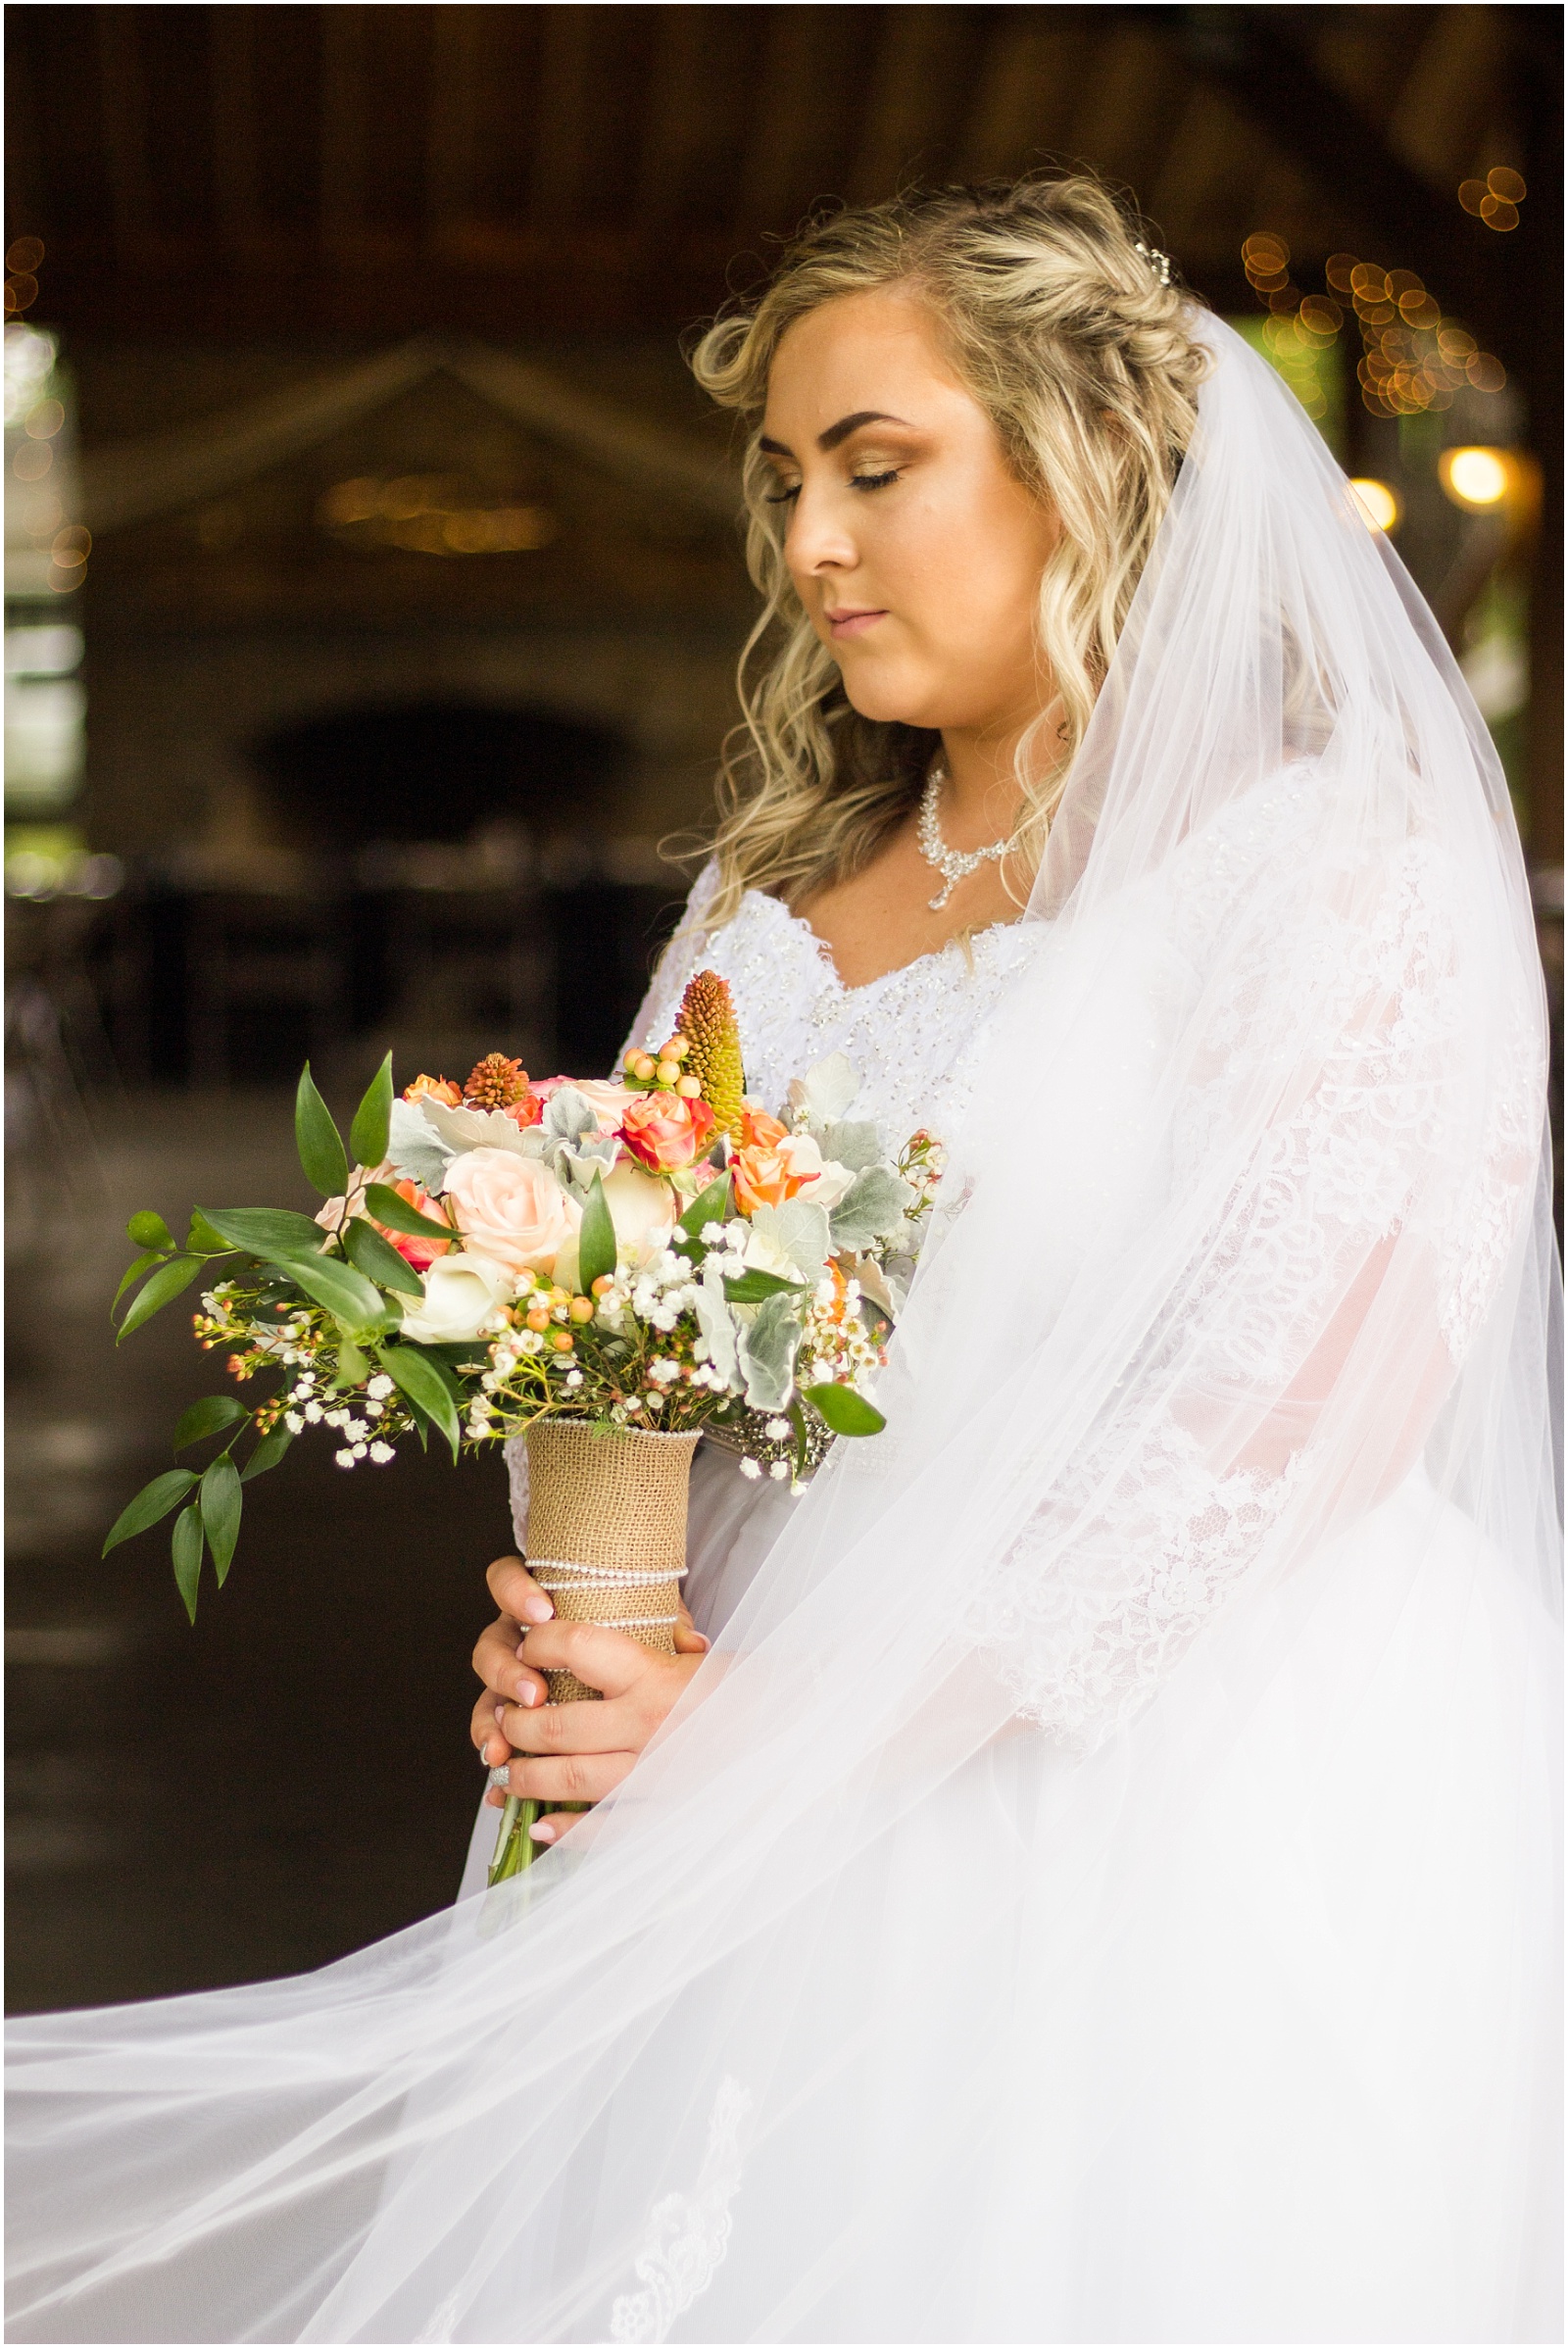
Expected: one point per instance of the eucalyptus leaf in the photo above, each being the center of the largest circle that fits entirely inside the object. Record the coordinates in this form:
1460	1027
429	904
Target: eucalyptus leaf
149	1230
378	1260
276	1234
717	1323
318	1140
340	1290
175	1274
210	1416
801	1231
220	1505
389	1206
844	1410
370	1130
143	1263
152	1503
266	1454
421	1380
186	1546
596	1238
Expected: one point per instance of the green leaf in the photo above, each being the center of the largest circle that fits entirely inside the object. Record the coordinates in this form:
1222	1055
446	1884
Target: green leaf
143	1263
177	1273
203	1238
341	1290
186	1546
147	1230
276	1234
378	1260
710	1206
385	1202
318	1140
210	1416
751	1288
846	1411
596	1238
266	1454
154	1500
422	1381
372	1119
353	1367
220	1505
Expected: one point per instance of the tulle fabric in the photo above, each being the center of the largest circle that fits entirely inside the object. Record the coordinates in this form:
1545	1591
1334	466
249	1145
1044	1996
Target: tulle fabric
1102	1884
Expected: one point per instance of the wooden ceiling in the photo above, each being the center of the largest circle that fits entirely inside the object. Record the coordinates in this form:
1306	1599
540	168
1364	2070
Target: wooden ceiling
350	172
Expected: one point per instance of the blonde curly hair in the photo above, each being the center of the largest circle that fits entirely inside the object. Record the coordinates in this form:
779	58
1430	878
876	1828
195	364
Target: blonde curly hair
1063	326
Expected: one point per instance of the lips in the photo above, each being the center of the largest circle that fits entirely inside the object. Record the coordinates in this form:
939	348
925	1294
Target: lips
846	623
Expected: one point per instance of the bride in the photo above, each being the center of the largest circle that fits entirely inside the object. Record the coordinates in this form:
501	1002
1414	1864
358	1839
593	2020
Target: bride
1091	1872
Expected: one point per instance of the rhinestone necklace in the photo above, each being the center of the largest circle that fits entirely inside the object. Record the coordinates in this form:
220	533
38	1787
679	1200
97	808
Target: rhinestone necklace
952	866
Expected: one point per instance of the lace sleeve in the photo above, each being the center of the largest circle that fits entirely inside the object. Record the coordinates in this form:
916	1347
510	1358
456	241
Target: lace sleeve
1174	1497
681	957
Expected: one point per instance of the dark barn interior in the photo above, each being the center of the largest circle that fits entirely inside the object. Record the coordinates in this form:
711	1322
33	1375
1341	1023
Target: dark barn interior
374	591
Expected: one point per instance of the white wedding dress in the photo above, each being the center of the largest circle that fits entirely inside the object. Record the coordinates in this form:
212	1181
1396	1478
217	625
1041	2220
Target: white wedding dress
1103	1884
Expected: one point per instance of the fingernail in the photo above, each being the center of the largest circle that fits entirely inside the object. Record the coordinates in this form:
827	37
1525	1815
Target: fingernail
527	1693
704	1643
500	1711
537	1609
484	1754
543	1832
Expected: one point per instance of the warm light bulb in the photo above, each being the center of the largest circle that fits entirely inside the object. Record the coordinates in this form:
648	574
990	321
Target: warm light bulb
1380	508
1475	478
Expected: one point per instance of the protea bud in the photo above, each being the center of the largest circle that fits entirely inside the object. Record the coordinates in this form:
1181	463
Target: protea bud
496	1083
707	1019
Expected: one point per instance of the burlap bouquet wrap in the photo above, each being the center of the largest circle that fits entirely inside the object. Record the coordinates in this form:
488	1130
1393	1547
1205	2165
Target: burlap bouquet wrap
607	1530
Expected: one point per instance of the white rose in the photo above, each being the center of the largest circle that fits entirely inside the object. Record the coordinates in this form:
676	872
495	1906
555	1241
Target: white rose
643	1211
826	1181
461	1293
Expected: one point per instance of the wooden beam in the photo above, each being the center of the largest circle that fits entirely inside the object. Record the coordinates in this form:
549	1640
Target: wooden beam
1471	271
345	33
239	221
124	128
566	97
457	31
926	68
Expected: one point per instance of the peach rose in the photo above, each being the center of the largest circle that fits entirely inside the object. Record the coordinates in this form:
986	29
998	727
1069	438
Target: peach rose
509	1208
759	1131
666	1133
418	1252
526	1111
434	1088
609	1102
768	1173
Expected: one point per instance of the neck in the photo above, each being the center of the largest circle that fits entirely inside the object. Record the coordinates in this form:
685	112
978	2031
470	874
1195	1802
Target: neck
981	799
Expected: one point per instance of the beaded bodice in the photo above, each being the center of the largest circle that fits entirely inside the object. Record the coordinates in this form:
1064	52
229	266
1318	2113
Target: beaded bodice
914	1035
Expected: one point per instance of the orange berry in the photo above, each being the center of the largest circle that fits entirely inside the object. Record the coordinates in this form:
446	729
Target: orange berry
562	1341
538	1316
603	1283
666	1072
582	1308
690	1087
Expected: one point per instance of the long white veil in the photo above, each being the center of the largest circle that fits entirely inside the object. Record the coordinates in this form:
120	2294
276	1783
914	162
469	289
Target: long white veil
1232	1341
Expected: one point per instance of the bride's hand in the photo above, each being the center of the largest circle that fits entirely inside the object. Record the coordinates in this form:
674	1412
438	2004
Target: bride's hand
568	1752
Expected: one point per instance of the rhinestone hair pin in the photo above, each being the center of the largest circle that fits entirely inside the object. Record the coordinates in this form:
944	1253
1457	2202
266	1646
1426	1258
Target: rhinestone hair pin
1157	260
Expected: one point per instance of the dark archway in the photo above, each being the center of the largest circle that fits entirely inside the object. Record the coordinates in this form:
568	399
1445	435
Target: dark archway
436	771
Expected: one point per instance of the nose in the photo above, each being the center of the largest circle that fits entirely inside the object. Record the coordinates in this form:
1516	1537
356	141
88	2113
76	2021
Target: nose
818	540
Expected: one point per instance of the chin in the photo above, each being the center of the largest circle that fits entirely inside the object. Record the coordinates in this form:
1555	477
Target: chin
890	700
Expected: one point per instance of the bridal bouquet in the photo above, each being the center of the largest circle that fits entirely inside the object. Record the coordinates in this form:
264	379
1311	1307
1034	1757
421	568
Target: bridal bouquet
610	1269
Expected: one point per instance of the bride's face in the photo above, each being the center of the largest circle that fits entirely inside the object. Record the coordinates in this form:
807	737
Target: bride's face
916	550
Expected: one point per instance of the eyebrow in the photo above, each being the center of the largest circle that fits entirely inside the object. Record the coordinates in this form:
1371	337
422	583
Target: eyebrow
829	440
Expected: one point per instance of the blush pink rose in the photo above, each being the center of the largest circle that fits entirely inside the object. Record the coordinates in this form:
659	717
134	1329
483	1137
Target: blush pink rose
666	1133
509	1208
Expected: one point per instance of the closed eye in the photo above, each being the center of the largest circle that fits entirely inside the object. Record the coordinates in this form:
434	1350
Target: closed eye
873	480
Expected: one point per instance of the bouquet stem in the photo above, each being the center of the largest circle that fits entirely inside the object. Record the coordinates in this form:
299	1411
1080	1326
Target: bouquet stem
606	1538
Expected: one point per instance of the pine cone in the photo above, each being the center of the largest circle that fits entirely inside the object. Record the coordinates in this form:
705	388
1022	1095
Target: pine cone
496	1083
707	1019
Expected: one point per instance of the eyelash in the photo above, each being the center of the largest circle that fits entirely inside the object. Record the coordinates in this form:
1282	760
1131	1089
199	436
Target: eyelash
787	497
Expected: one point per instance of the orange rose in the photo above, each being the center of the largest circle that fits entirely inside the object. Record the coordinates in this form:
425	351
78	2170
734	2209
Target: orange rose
779	1166
526	1111
434	1088
411	1246
666	1133
759	1131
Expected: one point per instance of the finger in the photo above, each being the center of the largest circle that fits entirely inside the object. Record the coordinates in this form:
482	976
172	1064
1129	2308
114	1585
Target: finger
568	1778
689	1641
608	1660
496	1660
618	1725
556	1824
516	1593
